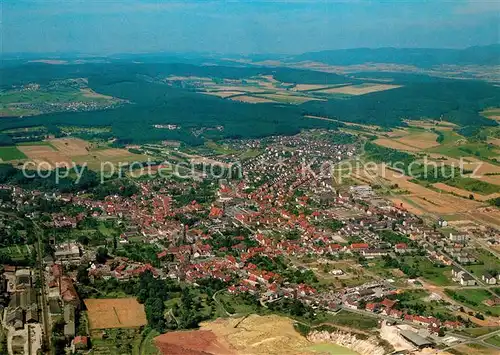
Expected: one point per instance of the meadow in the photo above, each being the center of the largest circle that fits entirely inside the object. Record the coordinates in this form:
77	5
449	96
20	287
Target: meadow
331	349
354	320
486	262
474	299
11	153
68	151
494	340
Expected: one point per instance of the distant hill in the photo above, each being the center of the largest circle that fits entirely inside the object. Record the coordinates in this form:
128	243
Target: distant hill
154	102
419	57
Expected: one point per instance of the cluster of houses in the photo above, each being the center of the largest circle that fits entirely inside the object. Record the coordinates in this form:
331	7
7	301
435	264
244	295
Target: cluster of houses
387	307
288	209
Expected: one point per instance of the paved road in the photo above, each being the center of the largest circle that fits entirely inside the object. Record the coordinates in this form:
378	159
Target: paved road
44	292
479	340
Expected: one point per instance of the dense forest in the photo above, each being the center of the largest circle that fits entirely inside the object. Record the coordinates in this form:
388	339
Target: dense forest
152	102
456	101
420	57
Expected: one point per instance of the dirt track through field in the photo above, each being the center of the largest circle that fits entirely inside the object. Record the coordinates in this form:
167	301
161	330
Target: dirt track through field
115	313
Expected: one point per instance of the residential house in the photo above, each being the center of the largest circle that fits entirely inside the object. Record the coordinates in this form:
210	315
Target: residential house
462	277
372	307
80	343
489	278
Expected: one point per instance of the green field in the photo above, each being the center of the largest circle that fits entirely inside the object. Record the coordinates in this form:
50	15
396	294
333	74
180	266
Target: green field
107	231
333	349
11	153
147	346
473	185
440	276
477	332
18	252
486	261
44	143
472	149
287	99
449	137
495	340
235	304
354	320
117	342
474	299
220	149
491	112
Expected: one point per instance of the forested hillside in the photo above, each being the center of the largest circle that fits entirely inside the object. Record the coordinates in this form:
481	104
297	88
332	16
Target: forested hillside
456	101
420	57
152	102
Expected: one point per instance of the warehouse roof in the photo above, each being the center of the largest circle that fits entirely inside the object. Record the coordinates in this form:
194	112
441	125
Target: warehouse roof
415	338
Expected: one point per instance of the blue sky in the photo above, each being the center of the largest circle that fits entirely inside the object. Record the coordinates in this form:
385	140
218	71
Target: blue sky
253	26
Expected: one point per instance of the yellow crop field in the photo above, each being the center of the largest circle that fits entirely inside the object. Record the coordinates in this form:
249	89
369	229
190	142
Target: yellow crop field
362	89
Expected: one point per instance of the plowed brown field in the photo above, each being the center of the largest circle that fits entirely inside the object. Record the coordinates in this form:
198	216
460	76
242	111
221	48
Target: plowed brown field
115	313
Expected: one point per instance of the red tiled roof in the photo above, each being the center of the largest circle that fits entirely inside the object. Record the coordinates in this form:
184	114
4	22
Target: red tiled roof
359	246
388	303
79	339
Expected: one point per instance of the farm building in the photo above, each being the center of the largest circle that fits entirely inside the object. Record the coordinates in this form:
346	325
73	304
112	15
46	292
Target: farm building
415	339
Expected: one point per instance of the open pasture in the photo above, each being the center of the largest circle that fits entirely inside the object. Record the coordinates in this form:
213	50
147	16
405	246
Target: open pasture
247	89
361	89
482	171
45	153
115	313
94	95
11	153
223	94
408	139
421	140
65	151
492	113
307	87
71	146
494	141
394	144
464	193
114	156
289	99
251	99
395	133
428	124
